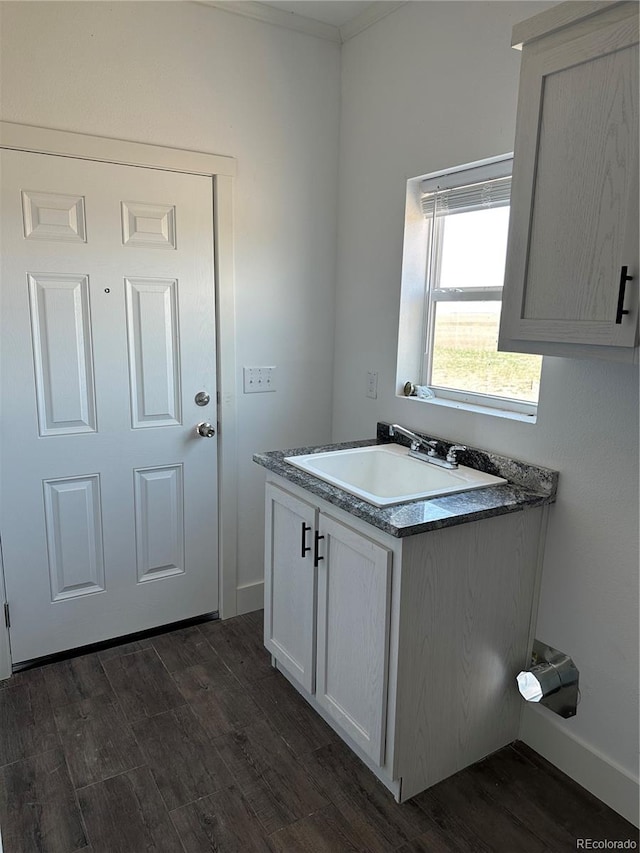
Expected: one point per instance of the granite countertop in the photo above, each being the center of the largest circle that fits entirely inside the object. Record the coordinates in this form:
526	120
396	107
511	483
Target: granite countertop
528	486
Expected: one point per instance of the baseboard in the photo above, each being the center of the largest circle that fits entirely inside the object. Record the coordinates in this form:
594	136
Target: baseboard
5	660
5	653
5	657
605	779
250	597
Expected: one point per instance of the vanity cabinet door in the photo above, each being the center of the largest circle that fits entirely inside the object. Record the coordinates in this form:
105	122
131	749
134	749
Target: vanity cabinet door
290	584
354	595
573	234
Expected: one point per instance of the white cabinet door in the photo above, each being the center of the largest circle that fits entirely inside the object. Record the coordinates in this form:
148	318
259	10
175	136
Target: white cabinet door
354	594
574	202
108	495
290	586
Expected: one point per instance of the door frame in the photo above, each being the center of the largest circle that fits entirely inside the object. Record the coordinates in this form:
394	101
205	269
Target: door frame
221	170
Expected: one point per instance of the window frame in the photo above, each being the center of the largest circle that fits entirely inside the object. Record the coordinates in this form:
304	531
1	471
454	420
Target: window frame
467	175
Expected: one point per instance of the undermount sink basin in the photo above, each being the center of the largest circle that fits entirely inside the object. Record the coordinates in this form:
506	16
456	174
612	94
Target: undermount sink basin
385	475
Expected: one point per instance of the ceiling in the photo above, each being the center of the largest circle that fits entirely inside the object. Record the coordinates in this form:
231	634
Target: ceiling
334	12
336	20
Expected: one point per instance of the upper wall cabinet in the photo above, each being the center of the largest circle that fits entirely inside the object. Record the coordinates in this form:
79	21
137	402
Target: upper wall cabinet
572	277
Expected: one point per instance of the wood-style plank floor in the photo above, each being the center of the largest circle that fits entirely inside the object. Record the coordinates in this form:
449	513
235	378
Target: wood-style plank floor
189	742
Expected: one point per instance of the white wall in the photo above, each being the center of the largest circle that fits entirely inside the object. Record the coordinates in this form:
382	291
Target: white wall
435	85
191	76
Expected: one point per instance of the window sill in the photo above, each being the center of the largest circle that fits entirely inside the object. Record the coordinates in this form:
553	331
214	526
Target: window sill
471	407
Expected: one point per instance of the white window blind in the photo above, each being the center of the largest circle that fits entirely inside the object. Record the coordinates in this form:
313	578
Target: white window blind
440	201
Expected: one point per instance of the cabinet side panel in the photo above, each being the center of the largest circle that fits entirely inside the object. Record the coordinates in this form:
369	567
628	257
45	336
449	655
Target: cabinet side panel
464	633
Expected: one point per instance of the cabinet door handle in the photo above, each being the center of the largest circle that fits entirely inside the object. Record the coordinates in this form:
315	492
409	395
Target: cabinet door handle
624	278
316	556
304	548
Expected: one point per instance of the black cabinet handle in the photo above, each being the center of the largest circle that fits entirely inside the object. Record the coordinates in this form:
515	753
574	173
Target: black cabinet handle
304	548
624	278
316	556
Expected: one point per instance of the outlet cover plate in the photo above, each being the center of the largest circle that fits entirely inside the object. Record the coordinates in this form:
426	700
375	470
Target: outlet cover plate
372	384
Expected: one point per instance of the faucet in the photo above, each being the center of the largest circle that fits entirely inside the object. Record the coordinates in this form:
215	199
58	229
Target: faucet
431	456
452	453
416	440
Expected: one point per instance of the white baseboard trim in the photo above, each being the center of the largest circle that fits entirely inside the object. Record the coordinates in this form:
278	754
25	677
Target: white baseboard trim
605	779
5	653
5	661
250	597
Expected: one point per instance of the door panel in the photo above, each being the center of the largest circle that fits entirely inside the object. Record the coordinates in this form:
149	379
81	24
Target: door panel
577	116
107	336
159	501
53	216
74	536
62	353
149	225
154	371
354	596
587	127
290	585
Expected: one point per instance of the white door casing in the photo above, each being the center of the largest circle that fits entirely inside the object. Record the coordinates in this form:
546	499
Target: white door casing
109	516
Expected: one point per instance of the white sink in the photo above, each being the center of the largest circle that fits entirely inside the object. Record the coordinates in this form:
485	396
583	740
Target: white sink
385	474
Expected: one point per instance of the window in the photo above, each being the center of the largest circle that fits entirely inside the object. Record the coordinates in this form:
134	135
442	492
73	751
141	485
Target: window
460	222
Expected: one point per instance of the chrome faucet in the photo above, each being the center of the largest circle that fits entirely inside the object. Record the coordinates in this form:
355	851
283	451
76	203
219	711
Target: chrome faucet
431	456
416	440
452	453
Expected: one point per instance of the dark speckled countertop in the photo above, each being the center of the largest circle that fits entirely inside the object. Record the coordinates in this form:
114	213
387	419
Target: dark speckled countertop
528	486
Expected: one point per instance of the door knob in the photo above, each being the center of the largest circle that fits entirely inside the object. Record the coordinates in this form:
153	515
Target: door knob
205	430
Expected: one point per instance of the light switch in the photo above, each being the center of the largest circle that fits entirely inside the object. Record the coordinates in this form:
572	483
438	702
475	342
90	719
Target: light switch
257	380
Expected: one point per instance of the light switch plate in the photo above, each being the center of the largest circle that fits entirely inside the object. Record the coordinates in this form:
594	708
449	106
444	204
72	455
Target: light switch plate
257	380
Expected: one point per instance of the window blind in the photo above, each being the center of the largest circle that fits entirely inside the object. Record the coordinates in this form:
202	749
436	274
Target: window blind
464	199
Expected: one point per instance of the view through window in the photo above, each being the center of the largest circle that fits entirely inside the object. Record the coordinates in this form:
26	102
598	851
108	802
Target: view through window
465	272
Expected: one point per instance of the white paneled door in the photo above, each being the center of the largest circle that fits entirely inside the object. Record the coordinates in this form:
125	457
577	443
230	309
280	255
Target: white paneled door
108	511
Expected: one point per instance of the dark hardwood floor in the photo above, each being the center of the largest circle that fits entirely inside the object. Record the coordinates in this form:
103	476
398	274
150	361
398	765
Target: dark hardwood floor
189	742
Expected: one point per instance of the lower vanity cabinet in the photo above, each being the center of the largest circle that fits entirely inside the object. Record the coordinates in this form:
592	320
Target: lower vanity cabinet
319	572
408	647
